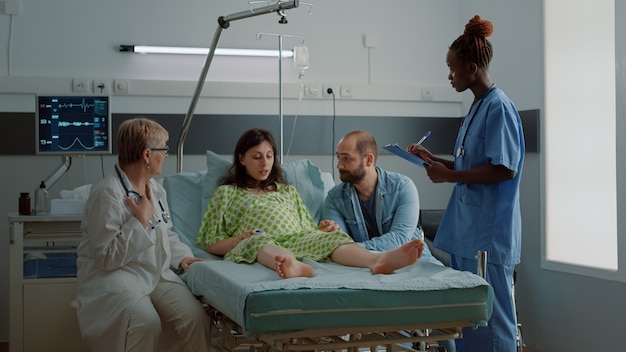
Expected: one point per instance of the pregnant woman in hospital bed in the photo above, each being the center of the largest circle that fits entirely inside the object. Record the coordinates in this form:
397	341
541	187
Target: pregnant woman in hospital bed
255	196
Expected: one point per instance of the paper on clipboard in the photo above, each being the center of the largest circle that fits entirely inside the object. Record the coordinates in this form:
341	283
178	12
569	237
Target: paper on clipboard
395	148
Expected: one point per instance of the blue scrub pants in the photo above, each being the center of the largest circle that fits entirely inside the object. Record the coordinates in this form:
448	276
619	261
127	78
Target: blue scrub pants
500	333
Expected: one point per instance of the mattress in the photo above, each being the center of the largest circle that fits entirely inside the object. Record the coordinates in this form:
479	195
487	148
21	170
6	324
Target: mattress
421	295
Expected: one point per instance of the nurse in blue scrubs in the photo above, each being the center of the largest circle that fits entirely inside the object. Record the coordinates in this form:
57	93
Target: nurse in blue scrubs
484	210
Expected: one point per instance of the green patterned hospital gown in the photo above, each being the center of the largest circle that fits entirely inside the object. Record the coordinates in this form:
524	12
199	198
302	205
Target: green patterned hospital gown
282	215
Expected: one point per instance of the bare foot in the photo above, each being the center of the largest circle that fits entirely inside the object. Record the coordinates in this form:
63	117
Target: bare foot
397	258
287	267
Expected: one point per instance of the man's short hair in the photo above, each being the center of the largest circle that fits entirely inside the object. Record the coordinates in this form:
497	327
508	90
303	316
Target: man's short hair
365	143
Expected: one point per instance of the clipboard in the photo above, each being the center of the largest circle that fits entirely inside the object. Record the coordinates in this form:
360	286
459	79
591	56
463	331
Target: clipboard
395	149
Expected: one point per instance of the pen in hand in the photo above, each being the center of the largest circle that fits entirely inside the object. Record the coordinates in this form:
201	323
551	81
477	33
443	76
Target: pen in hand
421	140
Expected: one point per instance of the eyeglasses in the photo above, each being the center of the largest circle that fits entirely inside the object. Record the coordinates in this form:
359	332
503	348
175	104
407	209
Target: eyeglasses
165	149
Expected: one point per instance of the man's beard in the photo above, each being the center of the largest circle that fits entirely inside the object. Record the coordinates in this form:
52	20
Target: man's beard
356	177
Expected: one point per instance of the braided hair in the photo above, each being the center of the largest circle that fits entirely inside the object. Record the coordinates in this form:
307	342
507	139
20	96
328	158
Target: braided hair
472	46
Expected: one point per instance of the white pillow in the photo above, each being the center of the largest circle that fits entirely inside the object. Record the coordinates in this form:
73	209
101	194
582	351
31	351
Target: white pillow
302	174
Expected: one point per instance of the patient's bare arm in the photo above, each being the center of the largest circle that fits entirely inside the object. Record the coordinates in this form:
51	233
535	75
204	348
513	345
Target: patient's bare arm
222	247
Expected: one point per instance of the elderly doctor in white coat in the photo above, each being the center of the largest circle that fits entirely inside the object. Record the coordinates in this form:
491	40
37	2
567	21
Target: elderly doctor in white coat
126	287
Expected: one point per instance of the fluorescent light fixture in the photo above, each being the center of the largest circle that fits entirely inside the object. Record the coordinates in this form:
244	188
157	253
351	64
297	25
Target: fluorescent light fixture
146	49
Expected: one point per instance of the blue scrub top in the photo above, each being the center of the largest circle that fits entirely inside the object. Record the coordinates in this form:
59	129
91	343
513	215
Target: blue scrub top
486	216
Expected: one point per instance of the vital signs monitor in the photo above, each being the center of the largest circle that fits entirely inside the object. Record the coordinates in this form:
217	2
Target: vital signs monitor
73	125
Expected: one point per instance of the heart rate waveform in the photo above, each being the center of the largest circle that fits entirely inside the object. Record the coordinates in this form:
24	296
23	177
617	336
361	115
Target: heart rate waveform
83	105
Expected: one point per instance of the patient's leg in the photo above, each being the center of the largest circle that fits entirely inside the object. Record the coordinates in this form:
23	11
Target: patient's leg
352	254
283	262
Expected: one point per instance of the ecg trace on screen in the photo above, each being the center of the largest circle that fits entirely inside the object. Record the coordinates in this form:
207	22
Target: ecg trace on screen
83	105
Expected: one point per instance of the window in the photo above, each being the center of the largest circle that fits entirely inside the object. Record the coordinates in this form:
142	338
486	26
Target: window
580	138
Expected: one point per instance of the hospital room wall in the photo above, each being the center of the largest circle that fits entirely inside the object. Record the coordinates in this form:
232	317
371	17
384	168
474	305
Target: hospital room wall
411	37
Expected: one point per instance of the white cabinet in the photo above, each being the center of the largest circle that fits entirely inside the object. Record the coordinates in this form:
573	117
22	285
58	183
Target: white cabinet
40	315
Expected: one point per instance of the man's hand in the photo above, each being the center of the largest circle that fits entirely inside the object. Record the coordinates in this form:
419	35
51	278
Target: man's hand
328	226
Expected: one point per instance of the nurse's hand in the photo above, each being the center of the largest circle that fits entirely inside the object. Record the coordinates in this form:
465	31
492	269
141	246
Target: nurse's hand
420	151
184	264
438	172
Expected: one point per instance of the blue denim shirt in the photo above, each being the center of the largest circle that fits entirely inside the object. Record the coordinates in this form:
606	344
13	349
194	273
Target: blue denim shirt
397	212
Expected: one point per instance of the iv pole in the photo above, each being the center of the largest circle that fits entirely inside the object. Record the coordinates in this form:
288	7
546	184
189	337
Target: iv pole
280	84
223	23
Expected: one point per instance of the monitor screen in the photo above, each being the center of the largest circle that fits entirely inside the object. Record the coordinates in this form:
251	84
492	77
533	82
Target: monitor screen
71	125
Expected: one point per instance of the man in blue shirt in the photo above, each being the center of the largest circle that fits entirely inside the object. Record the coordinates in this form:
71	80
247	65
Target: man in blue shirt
379	209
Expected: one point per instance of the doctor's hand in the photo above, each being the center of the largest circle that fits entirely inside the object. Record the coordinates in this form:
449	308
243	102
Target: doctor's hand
184	264
143	210
328	226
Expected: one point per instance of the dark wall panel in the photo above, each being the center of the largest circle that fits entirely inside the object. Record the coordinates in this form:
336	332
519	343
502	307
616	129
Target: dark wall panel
311	135
17	135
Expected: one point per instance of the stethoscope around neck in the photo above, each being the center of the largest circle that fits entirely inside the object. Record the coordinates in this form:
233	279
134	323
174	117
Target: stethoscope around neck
135	196
460	151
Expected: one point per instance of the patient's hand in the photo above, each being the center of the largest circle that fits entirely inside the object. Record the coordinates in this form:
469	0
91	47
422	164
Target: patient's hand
328	226
223	246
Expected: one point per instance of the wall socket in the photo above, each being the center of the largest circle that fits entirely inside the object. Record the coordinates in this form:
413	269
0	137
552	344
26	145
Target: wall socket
333	91
345	91
312	91
427	94
101	86
80	85
121	87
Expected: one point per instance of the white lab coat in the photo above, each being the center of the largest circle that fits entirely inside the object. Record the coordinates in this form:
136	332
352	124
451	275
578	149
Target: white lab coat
119	261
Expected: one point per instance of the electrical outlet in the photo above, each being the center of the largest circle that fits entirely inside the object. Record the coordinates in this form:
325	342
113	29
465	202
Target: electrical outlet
100	86
79	85
345	91
121	87
427	94
329	91
312	91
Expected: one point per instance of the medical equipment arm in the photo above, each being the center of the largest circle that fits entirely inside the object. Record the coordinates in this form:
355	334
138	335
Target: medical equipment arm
55	175
224	22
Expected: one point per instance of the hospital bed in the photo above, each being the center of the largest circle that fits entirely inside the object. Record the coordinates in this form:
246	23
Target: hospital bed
340	308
